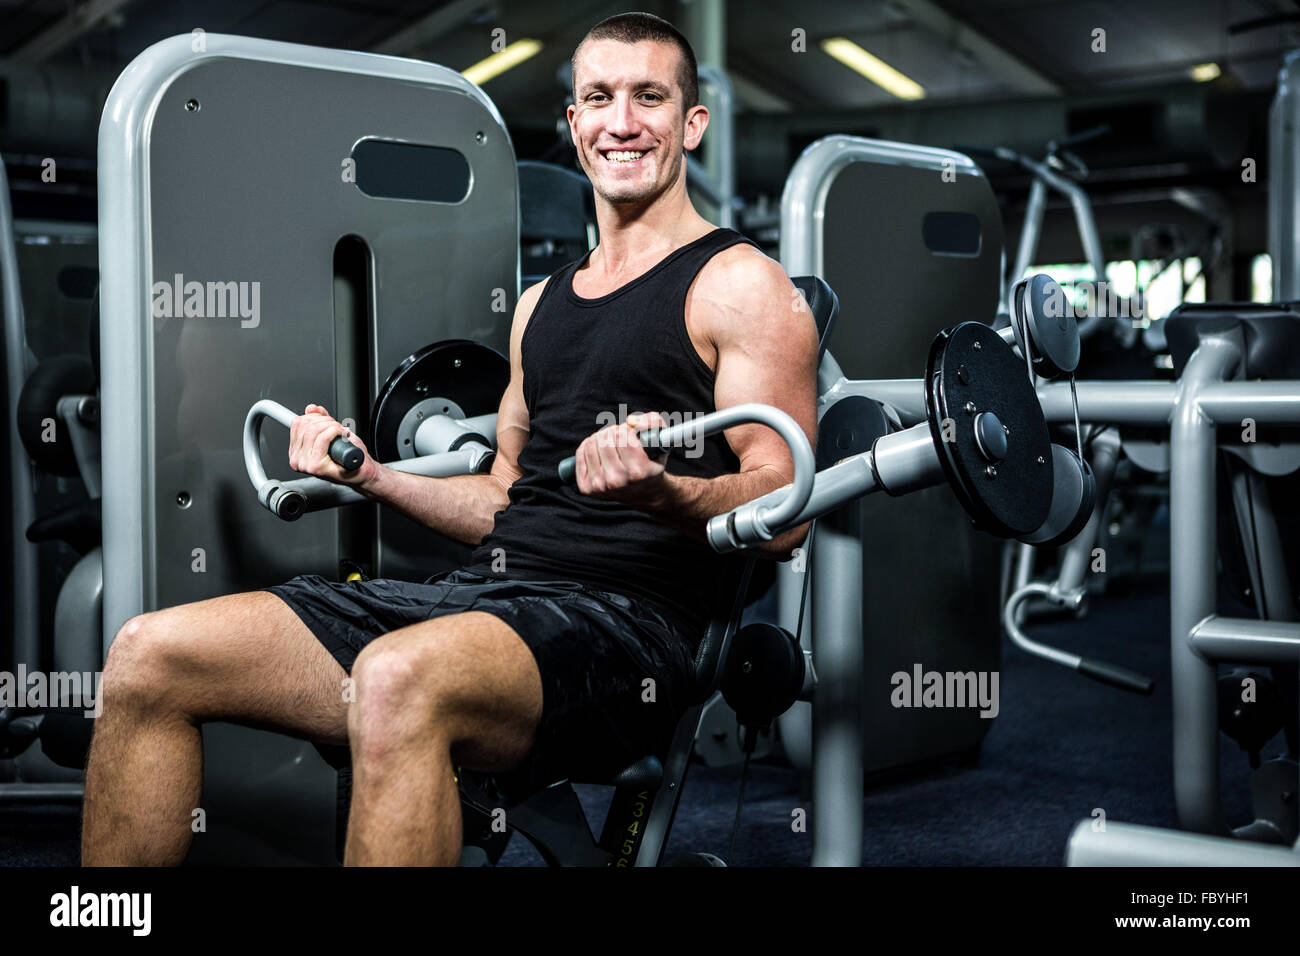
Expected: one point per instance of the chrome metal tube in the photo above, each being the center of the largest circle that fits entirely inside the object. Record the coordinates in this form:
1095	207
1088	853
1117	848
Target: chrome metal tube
1192	549
1110	403
1125	844
837	816
1246	640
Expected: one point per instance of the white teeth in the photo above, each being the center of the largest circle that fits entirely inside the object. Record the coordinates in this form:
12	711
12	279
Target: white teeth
623	156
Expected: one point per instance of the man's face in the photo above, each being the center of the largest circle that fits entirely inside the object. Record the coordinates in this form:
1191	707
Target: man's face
627	121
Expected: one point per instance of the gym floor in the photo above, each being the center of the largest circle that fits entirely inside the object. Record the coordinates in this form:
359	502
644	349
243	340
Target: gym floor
1061	746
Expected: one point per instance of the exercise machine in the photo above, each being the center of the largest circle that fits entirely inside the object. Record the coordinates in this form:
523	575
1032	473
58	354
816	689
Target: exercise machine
1062	170
412	238
931	259
54	407
450	432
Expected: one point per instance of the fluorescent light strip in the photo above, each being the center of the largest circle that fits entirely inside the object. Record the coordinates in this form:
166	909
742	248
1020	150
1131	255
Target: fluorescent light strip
873	68
498	63
1205	72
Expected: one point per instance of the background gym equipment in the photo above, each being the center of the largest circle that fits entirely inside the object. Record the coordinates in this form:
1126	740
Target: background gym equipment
361	269
54	457
21	586
1069	589
1061	169
932	257
557	218
1206	397
714	179
1284	188
1038	321
1230	375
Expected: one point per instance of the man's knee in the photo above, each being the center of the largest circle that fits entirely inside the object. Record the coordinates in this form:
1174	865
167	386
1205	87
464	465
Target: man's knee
139	659
467	684
396	695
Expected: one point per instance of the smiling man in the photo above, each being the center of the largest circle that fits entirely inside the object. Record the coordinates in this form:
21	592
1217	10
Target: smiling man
535	661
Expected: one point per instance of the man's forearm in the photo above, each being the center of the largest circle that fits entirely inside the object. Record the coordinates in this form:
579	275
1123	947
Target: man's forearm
462	507
687	503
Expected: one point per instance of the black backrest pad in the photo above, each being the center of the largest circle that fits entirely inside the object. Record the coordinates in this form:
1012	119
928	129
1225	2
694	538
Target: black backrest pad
553	202
825	306
1272	334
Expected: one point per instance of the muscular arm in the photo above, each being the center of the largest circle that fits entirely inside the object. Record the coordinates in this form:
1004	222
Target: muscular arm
765	348
464	507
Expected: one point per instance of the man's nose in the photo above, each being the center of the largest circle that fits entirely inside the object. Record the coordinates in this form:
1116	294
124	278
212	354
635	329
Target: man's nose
623	120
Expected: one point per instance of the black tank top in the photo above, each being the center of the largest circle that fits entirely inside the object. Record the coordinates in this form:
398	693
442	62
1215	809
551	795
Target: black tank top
588	363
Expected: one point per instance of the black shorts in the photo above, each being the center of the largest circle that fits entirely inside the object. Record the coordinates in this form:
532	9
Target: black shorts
594	651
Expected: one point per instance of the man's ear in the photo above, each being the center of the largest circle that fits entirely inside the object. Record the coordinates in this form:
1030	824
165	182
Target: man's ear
697	121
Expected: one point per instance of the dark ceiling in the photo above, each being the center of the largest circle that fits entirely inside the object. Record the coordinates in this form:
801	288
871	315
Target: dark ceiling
957	49
1016	72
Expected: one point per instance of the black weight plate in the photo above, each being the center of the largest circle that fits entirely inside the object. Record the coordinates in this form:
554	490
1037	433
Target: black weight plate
473	376
1043	306
849	427
1073	496
970	363
764	673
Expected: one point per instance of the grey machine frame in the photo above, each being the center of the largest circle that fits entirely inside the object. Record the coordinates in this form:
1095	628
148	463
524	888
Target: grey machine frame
1204	398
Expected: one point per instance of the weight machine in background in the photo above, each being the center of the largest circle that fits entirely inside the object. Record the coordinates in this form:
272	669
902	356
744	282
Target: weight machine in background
379	265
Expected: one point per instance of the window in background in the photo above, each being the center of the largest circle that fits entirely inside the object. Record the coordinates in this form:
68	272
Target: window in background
1162	293
1261	278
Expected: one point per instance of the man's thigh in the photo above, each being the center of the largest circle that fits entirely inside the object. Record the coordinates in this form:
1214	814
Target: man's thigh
614	675
246	658
470	673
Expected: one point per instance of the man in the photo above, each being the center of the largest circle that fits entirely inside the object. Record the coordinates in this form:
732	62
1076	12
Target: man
535	659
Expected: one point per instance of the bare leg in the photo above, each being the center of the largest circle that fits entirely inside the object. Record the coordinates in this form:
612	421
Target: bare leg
457	690
247	658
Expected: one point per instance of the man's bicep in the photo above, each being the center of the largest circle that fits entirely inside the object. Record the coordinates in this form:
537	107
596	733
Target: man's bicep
769	355
512	416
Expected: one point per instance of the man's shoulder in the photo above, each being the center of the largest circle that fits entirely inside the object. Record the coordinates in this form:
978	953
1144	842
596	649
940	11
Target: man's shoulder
741	267
744	279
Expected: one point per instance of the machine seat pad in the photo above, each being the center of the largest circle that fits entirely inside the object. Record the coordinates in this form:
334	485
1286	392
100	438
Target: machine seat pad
1272	334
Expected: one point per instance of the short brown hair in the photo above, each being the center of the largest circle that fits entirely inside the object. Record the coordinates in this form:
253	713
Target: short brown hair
636	27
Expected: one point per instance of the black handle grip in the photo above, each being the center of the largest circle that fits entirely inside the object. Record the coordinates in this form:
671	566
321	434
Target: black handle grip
1120	677
345	454
569	466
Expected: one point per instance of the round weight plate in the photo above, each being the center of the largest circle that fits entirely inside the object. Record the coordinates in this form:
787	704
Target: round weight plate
1073	495
971	370
1040	303
849	427
764	673
471	377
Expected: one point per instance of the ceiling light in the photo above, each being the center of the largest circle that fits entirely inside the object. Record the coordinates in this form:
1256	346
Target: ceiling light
506	59
873	68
